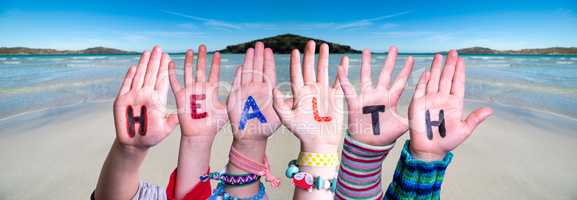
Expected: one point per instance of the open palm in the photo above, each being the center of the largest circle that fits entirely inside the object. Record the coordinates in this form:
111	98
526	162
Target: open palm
200	112
381	100
441	96
251	90
314	114
143	94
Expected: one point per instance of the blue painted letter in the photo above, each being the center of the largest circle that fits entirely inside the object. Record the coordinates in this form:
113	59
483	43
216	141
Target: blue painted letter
246	116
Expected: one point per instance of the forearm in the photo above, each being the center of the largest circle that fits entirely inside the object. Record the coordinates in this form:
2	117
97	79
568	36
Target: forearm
360	170
417	179
193	161
254	150
326	173
119	177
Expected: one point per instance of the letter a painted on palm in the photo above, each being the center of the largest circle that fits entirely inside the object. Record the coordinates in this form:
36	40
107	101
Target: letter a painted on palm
246	115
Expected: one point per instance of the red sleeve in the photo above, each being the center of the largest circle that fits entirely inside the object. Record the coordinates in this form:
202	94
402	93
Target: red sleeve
200	191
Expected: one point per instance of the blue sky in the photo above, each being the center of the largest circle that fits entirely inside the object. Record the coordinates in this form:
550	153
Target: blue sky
413	26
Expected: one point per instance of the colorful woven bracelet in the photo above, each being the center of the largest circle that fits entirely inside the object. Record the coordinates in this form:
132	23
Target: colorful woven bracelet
417	179
318	159
231	179
307	181
218	193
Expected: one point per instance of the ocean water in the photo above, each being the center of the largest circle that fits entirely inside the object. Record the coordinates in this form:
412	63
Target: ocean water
34	83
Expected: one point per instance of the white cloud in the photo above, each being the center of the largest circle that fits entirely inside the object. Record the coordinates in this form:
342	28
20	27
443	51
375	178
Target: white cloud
368	22
206	21
303	26
389	26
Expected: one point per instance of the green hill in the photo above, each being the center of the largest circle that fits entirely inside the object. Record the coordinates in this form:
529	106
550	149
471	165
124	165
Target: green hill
542	51
286	43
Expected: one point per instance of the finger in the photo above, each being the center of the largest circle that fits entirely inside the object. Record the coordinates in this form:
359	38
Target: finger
127	82
421	87
433	85
269	66
152	69
188	60
237	78
342	75
247	66
308	63
172	120
448	72
388	68
296	75
172	76
366	82
280	105
258	62
458	86
400	82
345	63
477	117
141	70
201	64
323	65
215	68
162	77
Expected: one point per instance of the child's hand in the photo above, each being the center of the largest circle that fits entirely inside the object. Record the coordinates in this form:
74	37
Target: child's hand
436	110
200	113
140	107
314	114
373	117
250	102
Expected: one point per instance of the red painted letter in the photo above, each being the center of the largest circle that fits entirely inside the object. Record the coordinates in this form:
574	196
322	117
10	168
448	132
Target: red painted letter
318	118
195	106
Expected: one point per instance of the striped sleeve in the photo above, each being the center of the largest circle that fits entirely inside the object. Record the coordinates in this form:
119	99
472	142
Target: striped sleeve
417	179
360	171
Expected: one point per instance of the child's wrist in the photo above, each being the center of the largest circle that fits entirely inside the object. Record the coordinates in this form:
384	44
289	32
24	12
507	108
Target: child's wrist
319	148
200	139
253	149
426	155
129	150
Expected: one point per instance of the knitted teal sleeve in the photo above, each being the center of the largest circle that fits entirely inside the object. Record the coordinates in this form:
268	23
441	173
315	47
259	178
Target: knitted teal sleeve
417	179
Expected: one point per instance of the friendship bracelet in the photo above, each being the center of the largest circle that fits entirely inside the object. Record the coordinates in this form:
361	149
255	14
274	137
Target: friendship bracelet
360	170
231	179
307	181
318	159
246	164
417	179
219	192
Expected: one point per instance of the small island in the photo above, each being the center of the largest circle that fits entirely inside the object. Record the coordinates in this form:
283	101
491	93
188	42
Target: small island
285	43
33	51
543	51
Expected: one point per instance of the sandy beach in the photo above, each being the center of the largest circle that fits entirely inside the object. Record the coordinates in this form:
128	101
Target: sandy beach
58	154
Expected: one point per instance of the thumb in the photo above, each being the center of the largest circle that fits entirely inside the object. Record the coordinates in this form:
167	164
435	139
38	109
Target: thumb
477	117
172	120
280	105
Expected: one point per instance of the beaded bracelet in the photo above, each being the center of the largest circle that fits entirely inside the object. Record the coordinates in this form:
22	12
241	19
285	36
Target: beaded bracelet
231	179
306	181
219	192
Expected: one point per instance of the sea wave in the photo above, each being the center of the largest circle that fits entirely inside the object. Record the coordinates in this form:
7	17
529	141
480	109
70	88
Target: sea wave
510	85
565	62
54	86
11	62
